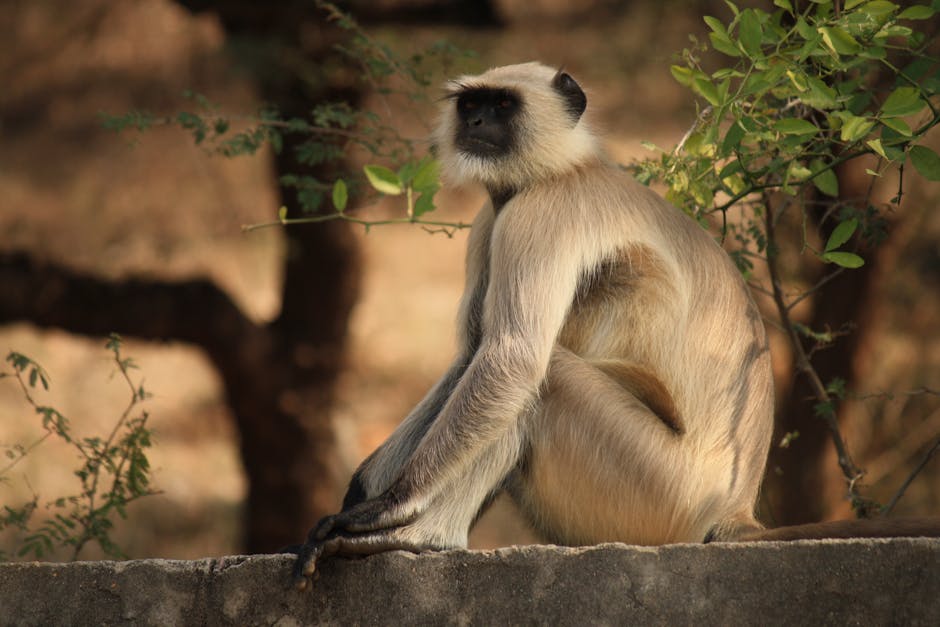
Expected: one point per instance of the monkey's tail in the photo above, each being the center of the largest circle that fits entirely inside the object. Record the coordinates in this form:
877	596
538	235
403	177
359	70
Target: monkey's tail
928	527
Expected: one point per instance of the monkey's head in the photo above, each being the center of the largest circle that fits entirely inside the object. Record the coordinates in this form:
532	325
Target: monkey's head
512	125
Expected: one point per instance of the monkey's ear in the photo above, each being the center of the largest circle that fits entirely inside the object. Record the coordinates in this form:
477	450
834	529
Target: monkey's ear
574	98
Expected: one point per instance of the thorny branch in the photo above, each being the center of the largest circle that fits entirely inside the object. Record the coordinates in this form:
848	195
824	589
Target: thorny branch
907	482
850	471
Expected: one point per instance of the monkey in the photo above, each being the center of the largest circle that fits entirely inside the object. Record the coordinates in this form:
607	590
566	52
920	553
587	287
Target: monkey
612	375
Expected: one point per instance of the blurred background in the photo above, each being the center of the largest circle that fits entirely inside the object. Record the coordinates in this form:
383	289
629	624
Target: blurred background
278	359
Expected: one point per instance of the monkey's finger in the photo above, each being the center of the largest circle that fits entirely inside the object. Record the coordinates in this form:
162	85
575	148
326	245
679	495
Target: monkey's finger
306	564
323	528
370	543
364	517
373	515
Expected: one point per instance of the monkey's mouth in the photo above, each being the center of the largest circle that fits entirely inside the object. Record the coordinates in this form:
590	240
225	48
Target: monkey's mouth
478	147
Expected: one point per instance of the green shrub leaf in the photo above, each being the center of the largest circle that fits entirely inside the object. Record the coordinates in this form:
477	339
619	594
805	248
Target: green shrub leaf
340	194
846	260
383	180
902	101
917	12
841	234
826	181
926	161
428	174
795	126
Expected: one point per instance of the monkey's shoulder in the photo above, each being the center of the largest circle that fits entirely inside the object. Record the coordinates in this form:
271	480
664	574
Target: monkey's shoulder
597	202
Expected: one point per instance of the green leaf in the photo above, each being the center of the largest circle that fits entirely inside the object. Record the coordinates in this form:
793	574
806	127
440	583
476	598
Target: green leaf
428	174
727	72
715	24
806	31
902	101
917	12
821	96
732	168
878	9
682	74
854	128
340	195
383	180
795	126
707	90
732	139
838	40
282	213
407	171
893	30
756	83
875	144
424	204
841	234
798	80
750	32
926	162
722	43
826	181
899	125
797	172
875	52
785	5
846	260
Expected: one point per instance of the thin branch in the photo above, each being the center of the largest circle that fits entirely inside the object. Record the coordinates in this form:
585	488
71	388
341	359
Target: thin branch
900	452
907	482
23	453
793	303
760	289
891	395
850	471
753	189
366	223
700	119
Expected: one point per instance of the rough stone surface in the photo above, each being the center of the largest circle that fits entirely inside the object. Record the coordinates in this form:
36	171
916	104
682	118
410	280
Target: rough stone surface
846	582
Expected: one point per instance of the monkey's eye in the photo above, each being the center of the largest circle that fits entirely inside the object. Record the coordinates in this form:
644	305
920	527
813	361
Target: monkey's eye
468	105
505	103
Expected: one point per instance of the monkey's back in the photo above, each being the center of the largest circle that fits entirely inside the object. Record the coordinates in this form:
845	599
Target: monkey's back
663	298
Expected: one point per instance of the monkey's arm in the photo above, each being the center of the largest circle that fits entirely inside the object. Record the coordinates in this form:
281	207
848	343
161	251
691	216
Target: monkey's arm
532	283
533	277
378	471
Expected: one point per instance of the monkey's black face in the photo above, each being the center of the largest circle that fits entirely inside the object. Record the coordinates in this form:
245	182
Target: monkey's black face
486	121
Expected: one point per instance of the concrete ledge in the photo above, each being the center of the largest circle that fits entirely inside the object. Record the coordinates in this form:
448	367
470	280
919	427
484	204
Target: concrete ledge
867	582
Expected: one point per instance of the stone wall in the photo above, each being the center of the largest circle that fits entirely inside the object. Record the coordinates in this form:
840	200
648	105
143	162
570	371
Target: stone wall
864	582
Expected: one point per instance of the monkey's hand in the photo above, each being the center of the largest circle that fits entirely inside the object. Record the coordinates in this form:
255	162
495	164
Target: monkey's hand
373	526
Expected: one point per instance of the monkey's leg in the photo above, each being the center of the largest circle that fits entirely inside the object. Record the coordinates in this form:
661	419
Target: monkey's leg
443	524
601	466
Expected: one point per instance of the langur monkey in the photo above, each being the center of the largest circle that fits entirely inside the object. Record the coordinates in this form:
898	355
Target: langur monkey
612	374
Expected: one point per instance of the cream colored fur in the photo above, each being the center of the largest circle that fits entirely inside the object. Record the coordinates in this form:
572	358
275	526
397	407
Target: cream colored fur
582	275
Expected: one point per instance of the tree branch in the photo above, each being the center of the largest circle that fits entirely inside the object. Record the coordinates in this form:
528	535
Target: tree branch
50	295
